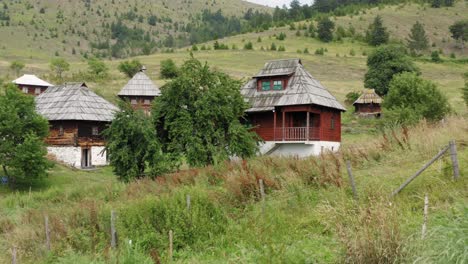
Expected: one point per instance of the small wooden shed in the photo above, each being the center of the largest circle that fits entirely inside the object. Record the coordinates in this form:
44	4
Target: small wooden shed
368	104
140	91
31	84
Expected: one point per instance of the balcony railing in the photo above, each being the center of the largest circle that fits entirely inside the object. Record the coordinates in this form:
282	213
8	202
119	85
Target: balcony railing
297	134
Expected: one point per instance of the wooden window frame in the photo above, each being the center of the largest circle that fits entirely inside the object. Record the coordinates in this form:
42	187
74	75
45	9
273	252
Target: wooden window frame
37	91
147	101
25	89
264	86
95	131
275	85
133	101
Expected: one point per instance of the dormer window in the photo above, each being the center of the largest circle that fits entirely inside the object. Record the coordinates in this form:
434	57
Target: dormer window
278	85
266	85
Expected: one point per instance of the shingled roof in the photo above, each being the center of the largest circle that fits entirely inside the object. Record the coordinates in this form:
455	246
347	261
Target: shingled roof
302	88
140	85
30	79
74	101
368	97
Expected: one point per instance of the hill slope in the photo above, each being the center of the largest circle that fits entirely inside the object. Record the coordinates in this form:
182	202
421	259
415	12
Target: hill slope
41	29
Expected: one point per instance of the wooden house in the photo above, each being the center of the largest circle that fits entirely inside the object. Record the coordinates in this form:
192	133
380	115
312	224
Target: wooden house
291	111
369	104
140	91
31	84
76	116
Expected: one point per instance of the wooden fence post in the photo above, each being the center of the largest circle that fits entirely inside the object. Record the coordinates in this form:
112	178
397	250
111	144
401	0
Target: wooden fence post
47	232
426	209
113	231
13	255
170	244
453	156
436	157
188	202
262	189
351	179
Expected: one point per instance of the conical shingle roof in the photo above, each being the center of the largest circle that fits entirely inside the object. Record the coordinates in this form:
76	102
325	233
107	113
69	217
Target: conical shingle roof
302	88
369	96
74	101
140	85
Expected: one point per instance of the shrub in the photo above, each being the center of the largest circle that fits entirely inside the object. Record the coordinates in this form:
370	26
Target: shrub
169	69
281	36
281	48
273	46
248	46
435	57
319	51
351	97
130	68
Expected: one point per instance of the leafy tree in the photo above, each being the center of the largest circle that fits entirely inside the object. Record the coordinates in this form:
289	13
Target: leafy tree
435	56
17	66
325	29
152	19
417	40
383	64
98	68
169	69
465	89
351	97
459	31
248	46
59	66
412	98
130	68
22	133
132	145
198	117
377	34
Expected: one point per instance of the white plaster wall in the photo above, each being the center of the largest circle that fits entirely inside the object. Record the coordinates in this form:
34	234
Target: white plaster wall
68	155
98	156
300	149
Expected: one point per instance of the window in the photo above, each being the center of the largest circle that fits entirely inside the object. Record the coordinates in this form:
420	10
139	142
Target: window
95	131
25	90
147	101
61	132
37	91
133	101
278	85
266	86
332	123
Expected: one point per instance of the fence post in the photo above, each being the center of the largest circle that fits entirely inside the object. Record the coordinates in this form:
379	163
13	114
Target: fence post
426	209
47	232
170	244
436	157
13	255
453	156
188	202
113	231
351	179
262	189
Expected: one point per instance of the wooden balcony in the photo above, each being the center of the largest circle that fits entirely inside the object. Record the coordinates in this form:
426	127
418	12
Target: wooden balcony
297	134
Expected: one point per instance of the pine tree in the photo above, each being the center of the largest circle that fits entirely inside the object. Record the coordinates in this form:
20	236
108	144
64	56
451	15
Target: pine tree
325	30
417	38
377	34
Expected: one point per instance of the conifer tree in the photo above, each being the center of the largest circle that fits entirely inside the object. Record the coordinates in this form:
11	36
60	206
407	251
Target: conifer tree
325	30
417	40
377	34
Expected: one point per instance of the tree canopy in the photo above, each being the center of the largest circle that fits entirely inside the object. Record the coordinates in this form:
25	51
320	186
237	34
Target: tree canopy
198	117
417	39
168	69
59	66
130	68
325	29
132	144
383	64
412	98
22	132
459	31
17	66
377	34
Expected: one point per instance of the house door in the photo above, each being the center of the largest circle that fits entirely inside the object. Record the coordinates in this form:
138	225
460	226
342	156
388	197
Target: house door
85	158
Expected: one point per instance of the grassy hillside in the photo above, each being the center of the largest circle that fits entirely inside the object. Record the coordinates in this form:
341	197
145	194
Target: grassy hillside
308	217
40	29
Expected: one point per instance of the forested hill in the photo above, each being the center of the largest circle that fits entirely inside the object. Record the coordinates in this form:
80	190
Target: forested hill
118	28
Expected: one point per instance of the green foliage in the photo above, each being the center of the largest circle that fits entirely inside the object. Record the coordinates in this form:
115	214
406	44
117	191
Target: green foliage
418	40
248	46
383	64
130	68
168	69
435	56
377	34
465	89
273	46
22	130
351	97
133	148
325	29
413	98
281	36
148	221
194	48
59	66
198	116
97	68
320	51
16	67
459	31
281	48
220	46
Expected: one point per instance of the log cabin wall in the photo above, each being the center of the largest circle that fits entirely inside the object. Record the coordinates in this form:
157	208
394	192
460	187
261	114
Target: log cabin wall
32	90
76	133
368	108
140	102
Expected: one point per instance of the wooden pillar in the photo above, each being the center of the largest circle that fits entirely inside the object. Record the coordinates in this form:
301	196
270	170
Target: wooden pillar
284	120
308	126
274	125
